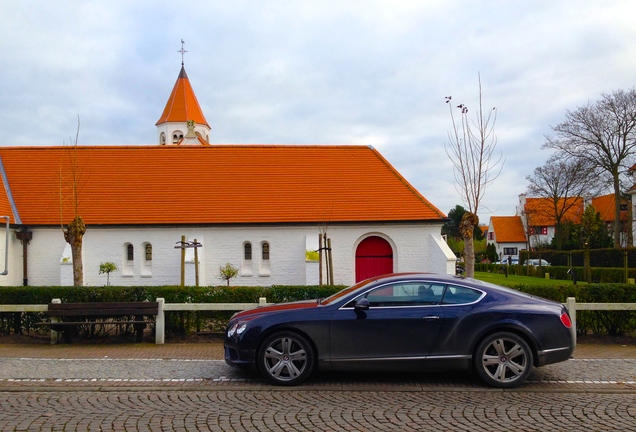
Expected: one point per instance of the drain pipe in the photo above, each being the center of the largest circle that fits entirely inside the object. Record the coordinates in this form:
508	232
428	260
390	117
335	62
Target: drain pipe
25	236
6	248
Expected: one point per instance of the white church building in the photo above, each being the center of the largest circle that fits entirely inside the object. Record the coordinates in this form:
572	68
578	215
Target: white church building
257	207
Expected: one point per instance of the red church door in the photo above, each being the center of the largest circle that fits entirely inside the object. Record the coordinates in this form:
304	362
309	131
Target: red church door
374	257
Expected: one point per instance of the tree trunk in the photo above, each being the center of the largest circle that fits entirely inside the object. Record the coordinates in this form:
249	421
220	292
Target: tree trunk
617	213
74	234
467	229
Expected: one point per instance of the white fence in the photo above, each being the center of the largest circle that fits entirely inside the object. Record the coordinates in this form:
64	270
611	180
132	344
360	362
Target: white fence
160	325
573	306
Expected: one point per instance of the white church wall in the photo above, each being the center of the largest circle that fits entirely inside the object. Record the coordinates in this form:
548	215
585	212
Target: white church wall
410	242
413	251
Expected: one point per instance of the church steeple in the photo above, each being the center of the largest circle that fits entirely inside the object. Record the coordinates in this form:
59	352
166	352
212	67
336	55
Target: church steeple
182	107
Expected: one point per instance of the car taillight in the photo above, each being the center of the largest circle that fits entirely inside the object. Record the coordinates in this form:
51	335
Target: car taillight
565	319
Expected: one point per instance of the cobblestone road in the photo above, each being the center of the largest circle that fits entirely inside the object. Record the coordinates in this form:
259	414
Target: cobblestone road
322	410
183	394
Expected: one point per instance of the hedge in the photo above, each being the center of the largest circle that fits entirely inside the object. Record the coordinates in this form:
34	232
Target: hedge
177	322
597	274
185	322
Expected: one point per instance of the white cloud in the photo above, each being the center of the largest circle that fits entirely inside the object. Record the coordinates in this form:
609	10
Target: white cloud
359	72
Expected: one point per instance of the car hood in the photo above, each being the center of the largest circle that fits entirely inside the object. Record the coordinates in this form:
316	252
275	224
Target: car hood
278	307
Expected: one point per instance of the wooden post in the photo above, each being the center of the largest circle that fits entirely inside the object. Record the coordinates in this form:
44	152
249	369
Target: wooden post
196	263
320	259
183	255
330	262
326	256
625	260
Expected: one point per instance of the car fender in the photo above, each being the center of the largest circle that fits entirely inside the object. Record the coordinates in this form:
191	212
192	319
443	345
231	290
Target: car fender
319	342
510	325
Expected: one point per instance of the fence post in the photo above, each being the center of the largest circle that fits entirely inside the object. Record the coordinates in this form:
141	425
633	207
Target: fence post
160	323
55	335
571	305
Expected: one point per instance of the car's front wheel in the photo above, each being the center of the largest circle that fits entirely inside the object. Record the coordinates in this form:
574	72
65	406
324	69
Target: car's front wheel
286	358
503	360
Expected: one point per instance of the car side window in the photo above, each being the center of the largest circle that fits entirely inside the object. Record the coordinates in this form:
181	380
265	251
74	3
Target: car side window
460	295
405	294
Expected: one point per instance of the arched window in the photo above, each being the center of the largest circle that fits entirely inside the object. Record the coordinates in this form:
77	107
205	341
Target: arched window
162	138
265	248
148	252
246	267
177	136
128	263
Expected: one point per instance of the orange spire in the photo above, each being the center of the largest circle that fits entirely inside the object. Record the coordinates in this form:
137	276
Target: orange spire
182	104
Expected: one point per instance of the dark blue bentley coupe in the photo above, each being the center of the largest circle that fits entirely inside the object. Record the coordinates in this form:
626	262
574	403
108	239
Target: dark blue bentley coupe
410	321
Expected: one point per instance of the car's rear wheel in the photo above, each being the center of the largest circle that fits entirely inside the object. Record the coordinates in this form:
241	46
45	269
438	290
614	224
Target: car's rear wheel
286	358
503	360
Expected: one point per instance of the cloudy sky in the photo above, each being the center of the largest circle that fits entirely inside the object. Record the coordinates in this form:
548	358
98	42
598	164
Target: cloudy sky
369	72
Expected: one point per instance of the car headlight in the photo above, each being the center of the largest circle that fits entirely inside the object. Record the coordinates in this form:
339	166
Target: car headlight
237	329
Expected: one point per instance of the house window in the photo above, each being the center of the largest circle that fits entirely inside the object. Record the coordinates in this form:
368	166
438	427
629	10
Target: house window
148	252
265	248
539	230
130	252
177	136
491	235
510	251
247	251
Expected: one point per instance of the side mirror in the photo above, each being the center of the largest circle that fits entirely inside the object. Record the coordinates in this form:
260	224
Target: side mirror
362	304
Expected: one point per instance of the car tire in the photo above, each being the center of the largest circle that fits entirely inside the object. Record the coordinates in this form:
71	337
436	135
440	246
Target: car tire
503	360
286	358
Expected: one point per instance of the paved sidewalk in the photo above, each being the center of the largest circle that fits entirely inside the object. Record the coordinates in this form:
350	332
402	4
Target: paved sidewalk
213	350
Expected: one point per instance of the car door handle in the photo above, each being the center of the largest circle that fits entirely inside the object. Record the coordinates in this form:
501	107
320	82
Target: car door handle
431	317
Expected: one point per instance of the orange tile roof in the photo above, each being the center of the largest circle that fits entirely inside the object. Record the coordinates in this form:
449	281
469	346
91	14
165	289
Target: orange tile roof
508	229
540	211
182	104
218	184
605	206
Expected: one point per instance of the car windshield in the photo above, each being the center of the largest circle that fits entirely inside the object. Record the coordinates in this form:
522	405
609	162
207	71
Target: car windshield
337	296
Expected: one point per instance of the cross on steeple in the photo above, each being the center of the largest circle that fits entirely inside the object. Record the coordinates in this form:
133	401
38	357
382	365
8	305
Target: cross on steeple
182	51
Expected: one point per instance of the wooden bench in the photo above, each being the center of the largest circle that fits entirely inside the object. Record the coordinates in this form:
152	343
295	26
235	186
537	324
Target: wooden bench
66	316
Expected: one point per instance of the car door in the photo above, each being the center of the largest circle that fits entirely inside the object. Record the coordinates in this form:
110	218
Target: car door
402	322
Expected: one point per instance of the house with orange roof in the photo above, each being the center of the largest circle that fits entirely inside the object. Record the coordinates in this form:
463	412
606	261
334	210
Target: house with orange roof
604	205
257	207
508	235
538	215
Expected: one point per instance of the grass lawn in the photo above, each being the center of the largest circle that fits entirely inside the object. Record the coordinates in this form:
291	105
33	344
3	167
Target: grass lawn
501	279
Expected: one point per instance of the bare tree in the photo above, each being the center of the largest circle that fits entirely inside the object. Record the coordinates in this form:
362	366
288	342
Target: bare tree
603	133
471	146
562	184
73	231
